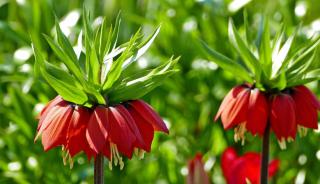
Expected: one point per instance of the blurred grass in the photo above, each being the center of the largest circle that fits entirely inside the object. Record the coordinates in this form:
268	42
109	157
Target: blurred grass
187	101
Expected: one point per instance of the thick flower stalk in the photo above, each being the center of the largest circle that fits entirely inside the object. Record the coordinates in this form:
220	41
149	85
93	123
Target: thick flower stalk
244	169
274	96
98	110
196	172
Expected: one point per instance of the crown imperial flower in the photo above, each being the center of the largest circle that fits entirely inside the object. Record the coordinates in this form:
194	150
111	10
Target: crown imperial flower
274	92
98	110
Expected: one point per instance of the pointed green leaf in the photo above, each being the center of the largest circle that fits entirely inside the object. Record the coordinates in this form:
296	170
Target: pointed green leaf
279	58
227	63
60	80
116	67
65	44
136	86
73	67
265	49
142	48
249	59
300	55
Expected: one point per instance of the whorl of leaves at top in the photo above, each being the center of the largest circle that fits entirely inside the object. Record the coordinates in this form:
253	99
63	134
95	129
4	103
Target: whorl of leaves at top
96	74
271	64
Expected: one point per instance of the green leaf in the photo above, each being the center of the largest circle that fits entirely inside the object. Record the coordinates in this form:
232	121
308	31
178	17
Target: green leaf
73	67
265	49
303	69
116	67
94	66
302	81
65	44
140	87
136	86
227	63
249	59
142	48
300	55
60	80
280	82
278	58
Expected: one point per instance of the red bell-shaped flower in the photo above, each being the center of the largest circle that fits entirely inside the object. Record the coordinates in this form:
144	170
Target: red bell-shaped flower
307	106
246	108
113	131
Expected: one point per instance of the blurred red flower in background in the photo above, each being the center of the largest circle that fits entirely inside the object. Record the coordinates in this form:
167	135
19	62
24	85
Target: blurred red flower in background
248	109
244	169
112	131
196	172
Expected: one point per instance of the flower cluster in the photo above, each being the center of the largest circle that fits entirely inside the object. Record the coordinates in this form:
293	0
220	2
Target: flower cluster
244	169
112	131
248	109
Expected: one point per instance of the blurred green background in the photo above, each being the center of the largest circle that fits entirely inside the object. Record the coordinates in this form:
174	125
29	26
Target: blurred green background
187	101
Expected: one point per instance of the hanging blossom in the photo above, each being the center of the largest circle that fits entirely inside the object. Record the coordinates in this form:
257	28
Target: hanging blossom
244	169
196	172
112	131
248	109
98	110
274	93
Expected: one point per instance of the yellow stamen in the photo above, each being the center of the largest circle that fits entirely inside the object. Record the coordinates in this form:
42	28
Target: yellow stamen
302	131
141	154
282	143
71	161
248	181
239	132
290	139
115	157
136	151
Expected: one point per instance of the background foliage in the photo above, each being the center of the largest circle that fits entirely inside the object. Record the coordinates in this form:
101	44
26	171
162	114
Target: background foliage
187	101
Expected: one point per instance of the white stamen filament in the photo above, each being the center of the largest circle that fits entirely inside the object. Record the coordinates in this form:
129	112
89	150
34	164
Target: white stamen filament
66	157
302	131
239	132
141	154
115	157
282	143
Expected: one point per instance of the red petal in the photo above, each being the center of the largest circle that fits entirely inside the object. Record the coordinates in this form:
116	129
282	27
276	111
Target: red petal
236	111
273	167
76	136
257	112
306	111
50	104
228	100
96	132
227	159
146	111
120	133
130	121
47	115
106	152
145	129
56	132
283	119
308	95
